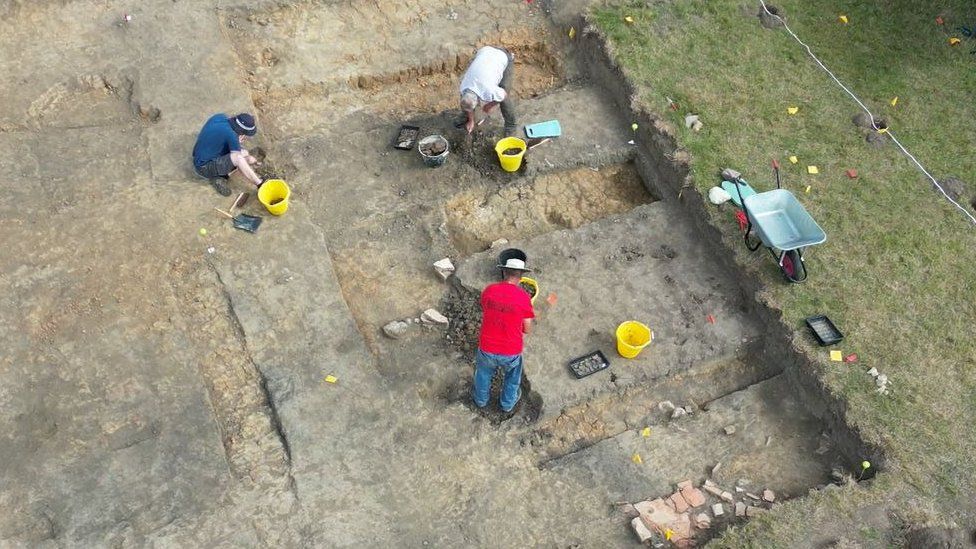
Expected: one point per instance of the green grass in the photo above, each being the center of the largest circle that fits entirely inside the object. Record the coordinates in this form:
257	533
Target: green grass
898	272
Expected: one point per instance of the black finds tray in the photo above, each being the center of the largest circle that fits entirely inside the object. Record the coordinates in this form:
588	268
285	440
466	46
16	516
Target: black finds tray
824	330
589	364
406	138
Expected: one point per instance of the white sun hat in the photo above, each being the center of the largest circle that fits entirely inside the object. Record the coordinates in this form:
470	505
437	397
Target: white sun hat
515	264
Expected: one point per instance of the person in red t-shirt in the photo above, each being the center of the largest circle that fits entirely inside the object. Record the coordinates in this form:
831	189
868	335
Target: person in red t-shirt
506	315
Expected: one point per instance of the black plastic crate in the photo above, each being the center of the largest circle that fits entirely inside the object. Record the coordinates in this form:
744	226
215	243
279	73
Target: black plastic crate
589	364
824	330
406	137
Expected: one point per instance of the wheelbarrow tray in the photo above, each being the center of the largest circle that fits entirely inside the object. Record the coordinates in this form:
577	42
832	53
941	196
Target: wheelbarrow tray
781	222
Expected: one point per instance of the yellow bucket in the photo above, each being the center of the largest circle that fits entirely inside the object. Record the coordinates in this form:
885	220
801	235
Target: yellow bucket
533	284
274	195
632	337
510	162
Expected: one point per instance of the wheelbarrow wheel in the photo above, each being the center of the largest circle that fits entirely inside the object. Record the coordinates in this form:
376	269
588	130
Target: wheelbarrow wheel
792	265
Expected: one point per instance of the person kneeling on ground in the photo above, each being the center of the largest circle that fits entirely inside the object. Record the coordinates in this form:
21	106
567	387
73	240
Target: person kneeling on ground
218	151
506	315
489	82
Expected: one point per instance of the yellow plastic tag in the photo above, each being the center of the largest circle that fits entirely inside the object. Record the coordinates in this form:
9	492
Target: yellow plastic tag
894	101
842	19
813	170
637	459
646	432
331	379
793	110
836	356
794	160
629	19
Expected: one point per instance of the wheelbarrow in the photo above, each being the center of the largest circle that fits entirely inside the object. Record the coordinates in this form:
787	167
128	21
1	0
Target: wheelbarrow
781	224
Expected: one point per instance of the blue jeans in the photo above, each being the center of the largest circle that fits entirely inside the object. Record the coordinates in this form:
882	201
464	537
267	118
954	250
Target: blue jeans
485	366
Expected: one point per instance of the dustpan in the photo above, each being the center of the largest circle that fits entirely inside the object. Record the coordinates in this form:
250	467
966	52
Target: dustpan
549	128
244	222
249	223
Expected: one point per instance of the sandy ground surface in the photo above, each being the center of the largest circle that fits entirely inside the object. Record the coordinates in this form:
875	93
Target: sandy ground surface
160	386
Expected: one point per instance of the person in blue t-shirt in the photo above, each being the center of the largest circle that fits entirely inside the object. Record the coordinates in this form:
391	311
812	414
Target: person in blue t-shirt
218	151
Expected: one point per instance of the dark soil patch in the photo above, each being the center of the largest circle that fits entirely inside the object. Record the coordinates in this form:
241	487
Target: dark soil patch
528	409
265	168
276	201
514	151
771	17
954	187
478	151
935	537
463	306
862	120
665	252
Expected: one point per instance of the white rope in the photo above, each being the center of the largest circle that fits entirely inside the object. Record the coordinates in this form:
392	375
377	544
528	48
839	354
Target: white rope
873	125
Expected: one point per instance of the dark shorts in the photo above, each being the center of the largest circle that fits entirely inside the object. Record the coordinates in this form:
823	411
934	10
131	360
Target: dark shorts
221	166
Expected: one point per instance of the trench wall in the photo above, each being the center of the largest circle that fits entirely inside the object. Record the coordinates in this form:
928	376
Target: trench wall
665	169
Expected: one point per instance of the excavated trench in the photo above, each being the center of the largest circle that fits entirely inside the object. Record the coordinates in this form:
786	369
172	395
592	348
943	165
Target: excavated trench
548	202
576	437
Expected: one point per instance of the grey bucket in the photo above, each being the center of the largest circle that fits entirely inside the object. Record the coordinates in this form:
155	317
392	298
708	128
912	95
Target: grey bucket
436	160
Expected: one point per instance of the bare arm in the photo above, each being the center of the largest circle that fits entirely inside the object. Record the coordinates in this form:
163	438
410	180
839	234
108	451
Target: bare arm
469	125
240	161
527	326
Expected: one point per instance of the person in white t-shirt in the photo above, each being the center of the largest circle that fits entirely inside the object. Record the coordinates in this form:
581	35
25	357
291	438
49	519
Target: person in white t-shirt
488	83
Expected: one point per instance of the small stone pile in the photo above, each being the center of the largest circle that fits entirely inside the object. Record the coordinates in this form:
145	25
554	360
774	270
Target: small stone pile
430	317
678	517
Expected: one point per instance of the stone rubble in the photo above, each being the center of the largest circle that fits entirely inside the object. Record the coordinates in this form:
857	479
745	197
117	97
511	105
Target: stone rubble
693	496
396	329
444	268
678	511
643	532
433	317
677	502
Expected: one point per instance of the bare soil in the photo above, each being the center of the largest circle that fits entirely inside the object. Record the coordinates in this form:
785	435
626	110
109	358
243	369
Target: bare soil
165	385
